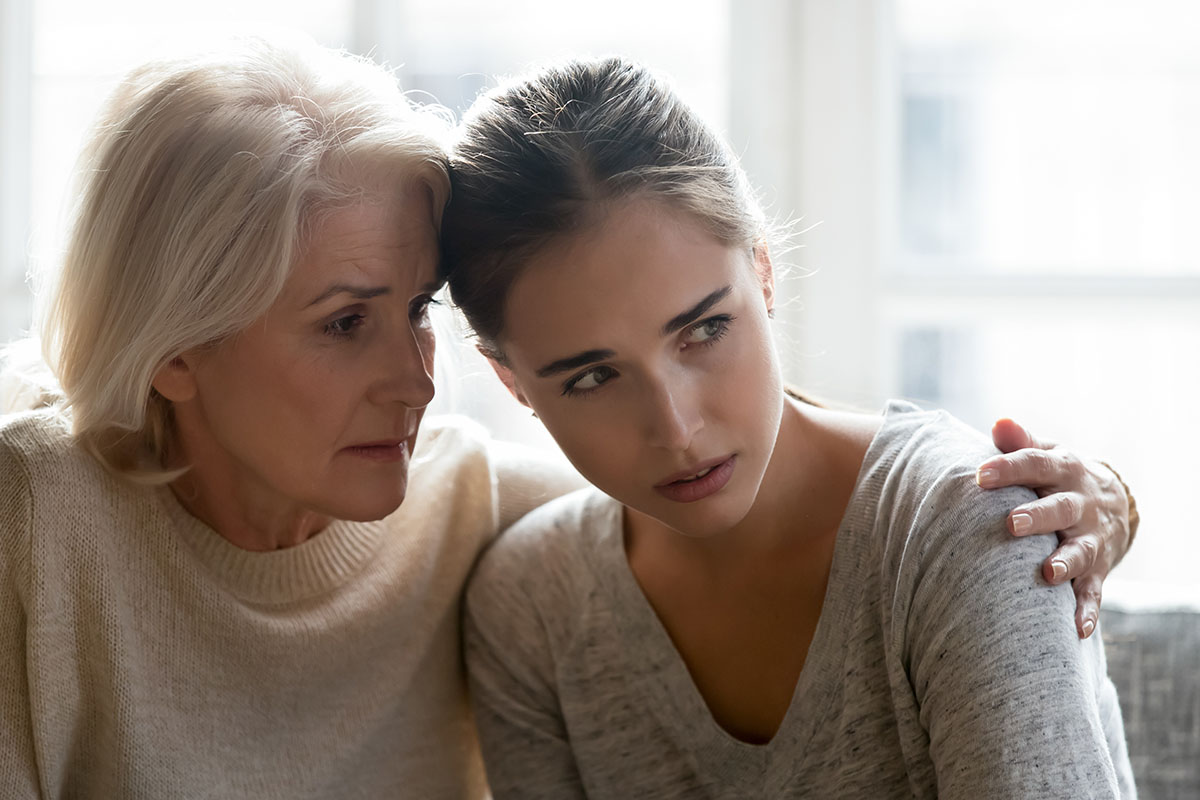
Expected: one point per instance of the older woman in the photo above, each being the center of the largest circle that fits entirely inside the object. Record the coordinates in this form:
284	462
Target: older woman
229	566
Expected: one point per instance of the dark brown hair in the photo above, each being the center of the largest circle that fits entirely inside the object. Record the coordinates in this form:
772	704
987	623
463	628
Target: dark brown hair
547	155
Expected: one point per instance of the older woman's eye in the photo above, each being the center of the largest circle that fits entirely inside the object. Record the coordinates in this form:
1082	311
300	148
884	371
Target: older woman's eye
708	331
343	327
419	307
589	381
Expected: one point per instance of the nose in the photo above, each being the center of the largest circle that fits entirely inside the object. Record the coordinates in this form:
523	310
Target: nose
406	374
673	417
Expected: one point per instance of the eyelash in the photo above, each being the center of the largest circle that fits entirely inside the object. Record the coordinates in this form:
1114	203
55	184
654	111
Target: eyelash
355	320
723	322
418	308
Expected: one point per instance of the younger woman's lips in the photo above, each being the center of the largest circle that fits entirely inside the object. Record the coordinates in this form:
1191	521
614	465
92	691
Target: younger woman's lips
700	488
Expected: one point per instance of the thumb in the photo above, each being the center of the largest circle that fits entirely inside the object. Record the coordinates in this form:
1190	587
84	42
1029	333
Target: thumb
1008	436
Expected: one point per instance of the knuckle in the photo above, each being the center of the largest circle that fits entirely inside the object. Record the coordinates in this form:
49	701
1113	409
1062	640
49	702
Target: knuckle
1074	466
1088	549
1041	465
1070	508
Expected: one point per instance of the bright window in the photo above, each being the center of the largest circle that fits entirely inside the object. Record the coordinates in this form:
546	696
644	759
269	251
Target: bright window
1044	257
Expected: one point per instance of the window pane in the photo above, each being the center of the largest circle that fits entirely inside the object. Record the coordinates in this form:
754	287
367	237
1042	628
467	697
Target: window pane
453	49
81	49
1049	137
1120	383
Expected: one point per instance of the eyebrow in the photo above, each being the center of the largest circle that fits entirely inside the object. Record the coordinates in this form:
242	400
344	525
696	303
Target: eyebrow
367	292
574	362
678	322
694	313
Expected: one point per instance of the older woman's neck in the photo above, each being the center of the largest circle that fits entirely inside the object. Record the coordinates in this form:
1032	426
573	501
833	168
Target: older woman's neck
241	520
236	503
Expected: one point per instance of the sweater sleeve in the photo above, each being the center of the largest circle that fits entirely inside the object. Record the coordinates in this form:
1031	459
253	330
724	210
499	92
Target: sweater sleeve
1010	698
509	658
18	763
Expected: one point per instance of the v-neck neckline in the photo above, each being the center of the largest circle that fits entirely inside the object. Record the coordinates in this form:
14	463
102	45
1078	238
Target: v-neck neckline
658	671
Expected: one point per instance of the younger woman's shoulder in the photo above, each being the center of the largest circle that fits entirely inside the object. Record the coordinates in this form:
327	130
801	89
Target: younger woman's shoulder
549	559
917	453
929	510
557	534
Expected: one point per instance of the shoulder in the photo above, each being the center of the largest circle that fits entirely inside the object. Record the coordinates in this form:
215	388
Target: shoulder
42	471
38	451
451	435
452	458
544	565
921	467
945	543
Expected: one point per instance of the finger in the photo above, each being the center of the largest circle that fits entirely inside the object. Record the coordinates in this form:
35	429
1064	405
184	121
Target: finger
1009	435
1087	604
1054	512
1075	558
1026	467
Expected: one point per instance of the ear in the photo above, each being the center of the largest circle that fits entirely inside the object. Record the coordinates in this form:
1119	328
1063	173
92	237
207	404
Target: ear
176	380
506	377
766	275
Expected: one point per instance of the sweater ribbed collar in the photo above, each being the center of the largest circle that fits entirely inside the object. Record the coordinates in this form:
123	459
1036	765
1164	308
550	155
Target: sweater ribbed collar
319	565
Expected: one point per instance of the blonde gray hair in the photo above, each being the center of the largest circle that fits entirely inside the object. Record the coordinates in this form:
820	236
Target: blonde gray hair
199	186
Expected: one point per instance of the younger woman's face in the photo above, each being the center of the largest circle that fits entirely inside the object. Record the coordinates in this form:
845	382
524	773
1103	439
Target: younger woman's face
643	345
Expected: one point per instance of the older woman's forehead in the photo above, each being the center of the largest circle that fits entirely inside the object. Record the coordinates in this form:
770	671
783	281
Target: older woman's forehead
391	239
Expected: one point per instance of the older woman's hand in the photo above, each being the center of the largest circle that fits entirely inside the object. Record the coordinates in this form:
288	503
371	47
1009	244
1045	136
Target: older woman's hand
1083	501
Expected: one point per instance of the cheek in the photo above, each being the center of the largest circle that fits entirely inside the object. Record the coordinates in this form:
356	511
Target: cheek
274	402
592	441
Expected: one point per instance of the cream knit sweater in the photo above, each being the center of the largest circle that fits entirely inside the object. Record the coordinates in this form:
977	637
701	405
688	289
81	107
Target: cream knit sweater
144	656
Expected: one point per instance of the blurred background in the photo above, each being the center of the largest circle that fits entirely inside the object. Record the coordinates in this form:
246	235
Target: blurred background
996	202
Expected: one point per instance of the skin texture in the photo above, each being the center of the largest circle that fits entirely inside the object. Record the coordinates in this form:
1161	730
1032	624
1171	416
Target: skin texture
310	414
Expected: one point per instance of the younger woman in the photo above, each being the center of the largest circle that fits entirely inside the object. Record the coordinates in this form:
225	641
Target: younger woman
765	598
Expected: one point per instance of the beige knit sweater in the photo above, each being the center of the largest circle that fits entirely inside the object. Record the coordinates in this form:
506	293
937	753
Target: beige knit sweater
144	656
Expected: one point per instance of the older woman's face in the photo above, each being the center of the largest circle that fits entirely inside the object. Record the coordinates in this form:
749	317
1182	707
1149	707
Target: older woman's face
315	407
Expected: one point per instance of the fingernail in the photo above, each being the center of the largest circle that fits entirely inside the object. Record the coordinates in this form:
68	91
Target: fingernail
1088	626
1022	523
1059	569
986	477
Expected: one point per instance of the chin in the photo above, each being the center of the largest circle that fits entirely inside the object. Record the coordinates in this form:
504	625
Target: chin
364	506
700	520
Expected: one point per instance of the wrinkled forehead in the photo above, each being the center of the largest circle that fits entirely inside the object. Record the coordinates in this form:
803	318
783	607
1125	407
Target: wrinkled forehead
381	237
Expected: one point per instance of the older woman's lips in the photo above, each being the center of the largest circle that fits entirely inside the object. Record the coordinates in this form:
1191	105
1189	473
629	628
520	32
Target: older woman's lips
383	452
689	491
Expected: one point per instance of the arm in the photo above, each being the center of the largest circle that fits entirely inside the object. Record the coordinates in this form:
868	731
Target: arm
1013	702
1085	502
510	668
18	763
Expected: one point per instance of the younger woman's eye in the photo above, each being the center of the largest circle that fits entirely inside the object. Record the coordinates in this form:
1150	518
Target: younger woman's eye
589	381
708	331
344	327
